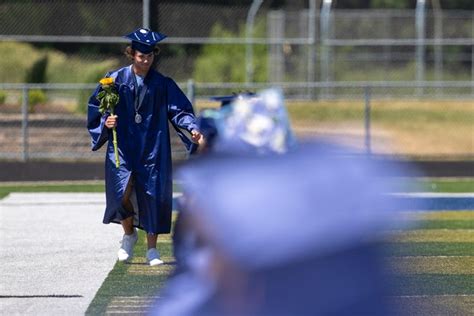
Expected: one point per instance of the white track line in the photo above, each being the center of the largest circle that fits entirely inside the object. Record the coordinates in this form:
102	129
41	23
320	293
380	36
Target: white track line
434	195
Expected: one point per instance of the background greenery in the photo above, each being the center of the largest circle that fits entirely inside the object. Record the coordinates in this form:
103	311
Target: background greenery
224	63
60	67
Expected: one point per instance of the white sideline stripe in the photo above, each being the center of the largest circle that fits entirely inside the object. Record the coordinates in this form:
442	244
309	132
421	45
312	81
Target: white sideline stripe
52	198
47	198
124	312
444	230
431	257
20	198
132	304
434	194
139	300
433	296
140	297
138	306
36	183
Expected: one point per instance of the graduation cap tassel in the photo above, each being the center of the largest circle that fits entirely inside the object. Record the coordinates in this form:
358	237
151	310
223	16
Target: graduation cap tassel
109	98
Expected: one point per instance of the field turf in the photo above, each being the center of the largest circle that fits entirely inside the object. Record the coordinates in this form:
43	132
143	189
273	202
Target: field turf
132	287
433	264
432	260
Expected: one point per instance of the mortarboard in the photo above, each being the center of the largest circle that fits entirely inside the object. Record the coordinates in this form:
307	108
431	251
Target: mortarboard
144	40
227	99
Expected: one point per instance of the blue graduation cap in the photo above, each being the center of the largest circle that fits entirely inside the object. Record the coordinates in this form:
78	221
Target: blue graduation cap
227	99
144	40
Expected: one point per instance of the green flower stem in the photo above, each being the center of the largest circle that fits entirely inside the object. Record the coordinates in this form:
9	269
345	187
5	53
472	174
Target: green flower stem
114	133
114	141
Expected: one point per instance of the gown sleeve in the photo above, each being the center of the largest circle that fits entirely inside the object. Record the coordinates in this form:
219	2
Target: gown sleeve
96	122
181	114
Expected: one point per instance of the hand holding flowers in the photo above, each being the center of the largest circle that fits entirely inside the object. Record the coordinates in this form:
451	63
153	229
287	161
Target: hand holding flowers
109	98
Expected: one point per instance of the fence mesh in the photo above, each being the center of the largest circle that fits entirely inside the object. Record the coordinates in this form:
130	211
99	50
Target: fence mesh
397	125
69	18
82	40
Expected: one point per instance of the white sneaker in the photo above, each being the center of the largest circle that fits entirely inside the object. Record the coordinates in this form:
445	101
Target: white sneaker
125	252
153	257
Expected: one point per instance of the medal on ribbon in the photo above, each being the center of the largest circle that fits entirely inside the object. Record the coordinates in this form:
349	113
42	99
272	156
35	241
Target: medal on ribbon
138	118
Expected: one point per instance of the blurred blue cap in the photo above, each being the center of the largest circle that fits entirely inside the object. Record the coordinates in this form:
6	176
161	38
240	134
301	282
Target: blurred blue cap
254	124
320	198
228	99
144	40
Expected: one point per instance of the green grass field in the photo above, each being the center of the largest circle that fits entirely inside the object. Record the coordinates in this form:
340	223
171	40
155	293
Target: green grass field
132	287
6	188
433	264
432	261
407	127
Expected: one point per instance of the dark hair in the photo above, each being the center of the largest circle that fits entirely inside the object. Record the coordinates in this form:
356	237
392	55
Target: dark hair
130	52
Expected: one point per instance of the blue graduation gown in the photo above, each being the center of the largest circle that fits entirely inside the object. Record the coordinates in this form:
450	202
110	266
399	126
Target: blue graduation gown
144	148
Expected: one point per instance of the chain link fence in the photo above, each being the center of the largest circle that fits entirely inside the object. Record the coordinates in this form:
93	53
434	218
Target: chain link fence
366	77
386	45
293	42
374	117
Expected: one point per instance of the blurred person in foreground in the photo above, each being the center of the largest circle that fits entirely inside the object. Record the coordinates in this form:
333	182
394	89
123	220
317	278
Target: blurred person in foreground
209	122
279	229
209	117
139	191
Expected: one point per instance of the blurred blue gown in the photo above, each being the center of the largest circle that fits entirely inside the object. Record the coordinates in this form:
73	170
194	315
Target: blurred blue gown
144	148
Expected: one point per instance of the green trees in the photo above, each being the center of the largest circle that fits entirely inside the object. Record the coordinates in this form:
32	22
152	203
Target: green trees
402	4
225	63
37	74
391	4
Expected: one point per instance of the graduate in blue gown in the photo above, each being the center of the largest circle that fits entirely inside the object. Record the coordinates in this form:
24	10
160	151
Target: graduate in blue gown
139	191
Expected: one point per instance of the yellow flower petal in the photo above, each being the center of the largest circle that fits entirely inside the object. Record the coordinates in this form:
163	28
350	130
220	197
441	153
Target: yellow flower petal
106	81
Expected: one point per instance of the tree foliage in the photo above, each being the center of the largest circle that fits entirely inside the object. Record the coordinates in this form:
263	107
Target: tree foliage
402	4
391	4
37	73
226	63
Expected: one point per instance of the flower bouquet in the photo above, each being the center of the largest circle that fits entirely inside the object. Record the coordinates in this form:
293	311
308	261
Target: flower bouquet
109	98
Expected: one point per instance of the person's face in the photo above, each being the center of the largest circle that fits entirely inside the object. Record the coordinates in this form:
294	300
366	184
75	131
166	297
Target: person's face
143	61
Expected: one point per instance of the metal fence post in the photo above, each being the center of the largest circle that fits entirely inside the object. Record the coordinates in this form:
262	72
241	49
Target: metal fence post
24	123
368	147
146	14
324	36
420	43
438	48
311	45
276	31
190	91
248	35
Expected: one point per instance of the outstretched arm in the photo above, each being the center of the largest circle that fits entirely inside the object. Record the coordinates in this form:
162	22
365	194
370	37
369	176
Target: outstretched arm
181	115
